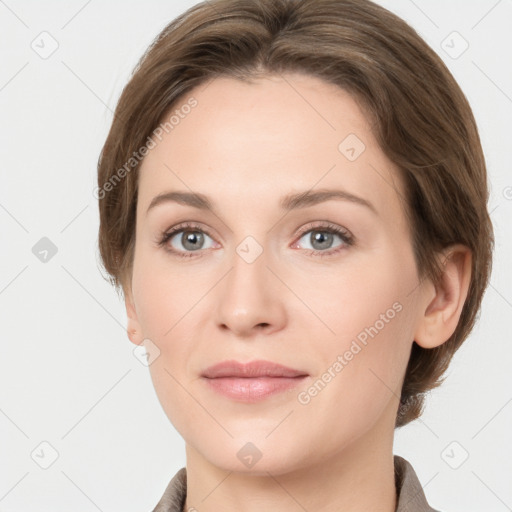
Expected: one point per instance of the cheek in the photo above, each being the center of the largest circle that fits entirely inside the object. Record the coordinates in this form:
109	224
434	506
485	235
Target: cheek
364	292
161	292
166	314
367	317
167	306
359	371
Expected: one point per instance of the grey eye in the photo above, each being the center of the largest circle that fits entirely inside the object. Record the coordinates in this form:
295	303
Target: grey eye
191	240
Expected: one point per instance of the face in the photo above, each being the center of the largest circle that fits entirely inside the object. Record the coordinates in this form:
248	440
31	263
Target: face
327	286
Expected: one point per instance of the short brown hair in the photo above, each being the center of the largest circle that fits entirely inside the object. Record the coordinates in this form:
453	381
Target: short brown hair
420	118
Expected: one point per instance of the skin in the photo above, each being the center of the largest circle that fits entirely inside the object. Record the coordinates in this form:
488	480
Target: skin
245	146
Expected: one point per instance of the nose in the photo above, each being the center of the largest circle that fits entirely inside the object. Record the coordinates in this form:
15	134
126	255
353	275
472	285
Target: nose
251	299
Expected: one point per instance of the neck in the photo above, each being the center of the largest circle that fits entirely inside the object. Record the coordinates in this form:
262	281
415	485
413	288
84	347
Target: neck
357	479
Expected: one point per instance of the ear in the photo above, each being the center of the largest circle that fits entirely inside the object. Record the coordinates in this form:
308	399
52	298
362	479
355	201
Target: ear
133	328
442	305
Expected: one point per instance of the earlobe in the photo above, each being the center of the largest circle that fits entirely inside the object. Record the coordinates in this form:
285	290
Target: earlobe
443	304
133	328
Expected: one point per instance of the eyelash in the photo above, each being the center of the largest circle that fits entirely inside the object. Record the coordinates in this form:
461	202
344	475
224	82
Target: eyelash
346	237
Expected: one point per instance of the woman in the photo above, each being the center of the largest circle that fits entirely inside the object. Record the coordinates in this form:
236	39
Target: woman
293	202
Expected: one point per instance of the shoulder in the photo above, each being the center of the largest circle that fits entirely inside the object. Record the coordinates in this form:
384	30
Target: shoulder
173	499
410	493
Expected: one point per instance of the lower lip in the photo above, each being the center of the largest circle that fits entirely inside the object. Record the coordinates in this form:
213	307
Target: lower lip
251	390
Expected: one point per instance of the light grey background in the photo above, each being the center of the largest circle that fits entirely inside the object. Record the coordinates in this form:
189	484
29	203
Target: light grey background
68	375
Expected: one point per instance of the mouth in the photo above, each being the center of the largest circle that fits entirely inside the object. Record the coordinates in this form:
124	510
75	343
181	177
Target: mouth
253	381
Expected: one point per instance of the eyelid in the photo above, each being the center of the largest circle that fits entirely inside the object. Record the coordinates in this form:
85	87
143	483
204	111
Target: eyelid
187	225
164	236
327	226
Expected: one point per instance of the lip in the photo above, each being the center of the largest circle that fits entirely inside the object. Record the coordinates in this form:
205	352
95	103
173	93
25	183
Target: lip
258	368
253	381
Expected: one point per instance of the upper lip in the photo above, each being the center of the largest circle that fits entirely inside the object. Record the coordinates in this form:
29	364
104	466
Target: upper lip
259	368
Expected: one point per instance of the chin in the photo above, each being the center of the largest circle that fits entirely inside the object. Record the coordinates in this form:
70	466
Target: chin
258	458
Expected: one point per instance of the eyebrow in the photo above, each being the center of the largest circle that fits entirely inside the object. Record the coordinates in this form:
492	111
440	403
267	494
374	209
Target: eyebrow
290	202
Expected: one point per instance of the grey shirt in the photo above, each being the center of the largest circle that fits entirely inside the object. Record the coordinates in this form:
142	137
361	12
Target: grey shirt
411	497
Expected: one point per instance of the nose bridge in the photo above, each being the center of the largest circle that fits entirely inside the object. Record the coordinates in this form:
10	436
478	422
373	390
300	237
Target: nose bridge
248	298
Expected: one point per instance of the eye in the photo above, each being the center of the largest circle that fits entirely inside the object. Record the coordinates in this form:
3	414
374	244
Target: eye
321	239
188	240
191	240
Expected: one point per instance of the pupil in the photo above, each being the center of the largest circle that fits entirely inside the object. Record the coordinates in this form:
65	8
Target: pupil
192	238
321	237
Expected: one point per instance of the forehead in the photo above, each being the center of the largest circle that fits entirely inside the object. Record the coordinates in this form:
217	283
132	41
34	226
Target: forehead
255	142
